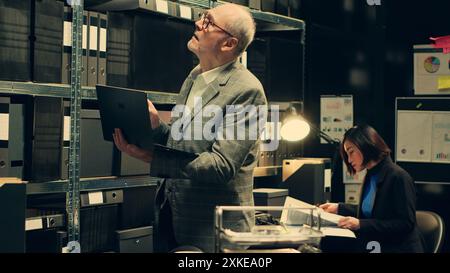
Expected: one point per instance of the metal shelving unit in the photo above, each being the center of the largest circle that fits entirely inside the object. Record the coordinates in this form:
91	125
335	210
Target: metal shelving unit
73	185
114	182
187	10
264	20
92	184
63	91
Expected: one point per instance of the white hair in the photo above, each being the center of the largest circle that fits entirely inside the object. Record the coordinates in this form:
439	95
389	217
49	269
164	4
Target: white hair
243	27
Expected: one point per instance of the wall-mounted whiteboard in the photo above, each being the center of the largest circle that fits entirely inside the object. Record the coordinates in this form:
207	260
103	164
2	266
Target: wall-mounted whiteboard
414	128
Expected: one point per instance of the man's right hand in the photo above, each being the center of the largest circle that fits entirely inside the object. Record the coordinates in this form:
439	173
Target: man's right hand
154	117
330	207
130	149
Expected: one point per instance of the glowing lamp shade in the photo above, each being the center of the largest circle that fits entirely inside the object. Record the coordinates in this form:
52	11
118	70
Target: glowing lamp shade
295	129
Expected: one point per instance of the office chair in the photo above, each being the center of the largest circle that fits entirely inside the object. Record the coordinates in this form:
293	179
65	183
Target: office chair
186	249
432	228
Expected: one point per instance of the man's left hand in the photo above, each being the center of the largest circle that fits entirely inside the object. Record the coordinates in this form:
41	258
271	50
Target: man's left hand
349	223
131	149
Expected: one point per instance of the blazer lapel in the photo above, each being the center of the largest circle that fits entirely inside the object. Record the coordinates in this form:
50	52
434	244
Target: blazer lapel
207	96
184	92
212	91
183	95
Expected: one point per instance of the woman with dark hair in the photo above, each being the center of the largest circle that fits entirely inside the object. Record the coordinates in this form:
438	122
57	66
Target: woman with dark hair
386	213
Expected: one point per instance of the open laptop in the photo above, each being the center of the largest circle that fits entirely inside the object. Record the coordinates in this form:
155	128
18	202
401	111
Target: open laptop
125	109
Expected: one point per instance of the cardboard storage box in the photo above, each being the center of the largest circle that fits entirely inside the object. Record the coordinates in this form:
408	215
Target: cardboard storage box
270	197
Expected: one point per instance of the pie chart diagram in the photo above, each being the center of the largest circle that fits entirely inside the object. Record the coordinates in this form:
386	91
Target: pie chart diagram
432	64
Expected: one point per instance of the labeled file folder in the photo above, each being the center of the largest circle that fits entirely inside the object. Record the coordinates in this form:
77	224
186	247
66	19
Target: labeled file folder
101	70
11	138
4	136
119	48
92	48
45	142
14	45
67	48
47	41
12	216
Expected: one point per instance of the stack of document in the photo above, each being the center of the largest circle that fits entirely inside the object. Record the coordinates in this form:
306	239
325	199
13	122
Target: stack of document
328	221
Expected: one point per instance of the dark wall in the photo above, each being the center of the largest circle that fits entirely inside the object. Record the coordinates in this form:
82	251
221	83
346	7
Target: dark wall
376	43
344	45
372	43
405	29
422	20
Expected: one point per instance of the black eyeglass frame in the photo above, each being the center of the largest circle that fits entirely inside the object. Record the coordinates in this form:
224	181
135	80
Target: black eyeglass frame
206	22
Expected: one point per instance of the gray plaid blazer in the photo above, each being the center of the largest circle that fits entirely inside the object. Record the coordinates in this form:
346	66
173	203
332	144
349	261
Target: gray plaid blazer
222	171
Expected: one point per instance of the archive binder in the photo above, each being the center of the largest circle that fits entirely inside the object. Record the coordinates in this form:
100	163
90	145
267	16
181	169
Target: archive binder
4	136
96	153
43	139
11	137
12	216
101	68
67	48
92	49
47	41
15	46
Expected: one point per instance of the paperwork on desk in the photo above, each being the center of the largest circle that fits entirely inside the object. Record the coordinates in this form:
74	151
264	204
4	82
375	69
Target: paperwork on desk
290	235
337	232
328	221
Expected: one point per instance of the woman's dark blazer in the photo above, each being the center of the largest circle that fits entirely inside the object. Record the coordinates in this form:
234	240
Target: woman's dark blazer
393	221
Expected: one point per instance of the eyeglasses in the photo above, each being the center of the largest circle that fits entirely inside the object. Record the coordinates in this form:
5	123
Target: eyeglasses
206	21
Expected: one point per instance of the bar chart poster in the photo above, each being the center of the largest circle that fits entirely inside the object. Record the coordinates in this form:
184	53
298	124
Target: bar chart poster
441	137
336	116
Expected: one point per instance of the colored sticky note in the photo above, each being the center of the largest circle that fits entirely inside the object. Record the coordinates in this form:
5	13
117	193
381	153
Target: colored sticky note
444	83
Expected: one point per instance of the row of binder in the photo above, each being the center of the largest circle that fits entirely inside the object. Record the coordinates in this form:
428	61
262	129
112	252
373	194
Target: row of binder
98	157
8	152
129	49
94	34
41	142
29	39
30	137
35	137
110	220
36	43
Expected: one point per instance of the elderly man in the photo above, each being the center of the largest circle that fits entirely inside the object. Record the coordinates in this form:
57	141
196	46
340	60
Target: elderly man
210	171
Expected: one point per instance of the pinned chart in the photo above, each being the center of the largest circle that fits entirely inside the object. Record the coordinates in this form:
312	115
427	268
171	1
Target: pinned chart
441	137
414	136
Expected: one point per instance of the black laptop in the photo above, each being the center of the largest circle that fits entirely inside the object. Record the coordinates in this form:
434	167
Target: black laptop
125	109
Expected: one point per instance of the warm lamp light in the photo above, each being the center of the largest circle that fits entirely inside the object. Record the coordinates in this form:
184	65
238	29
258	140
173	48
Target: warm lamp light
295	128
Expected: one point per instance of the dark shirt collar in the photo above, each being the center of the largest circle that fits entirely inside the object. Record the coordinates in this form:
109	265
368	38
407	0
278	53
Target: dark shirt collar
377	168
